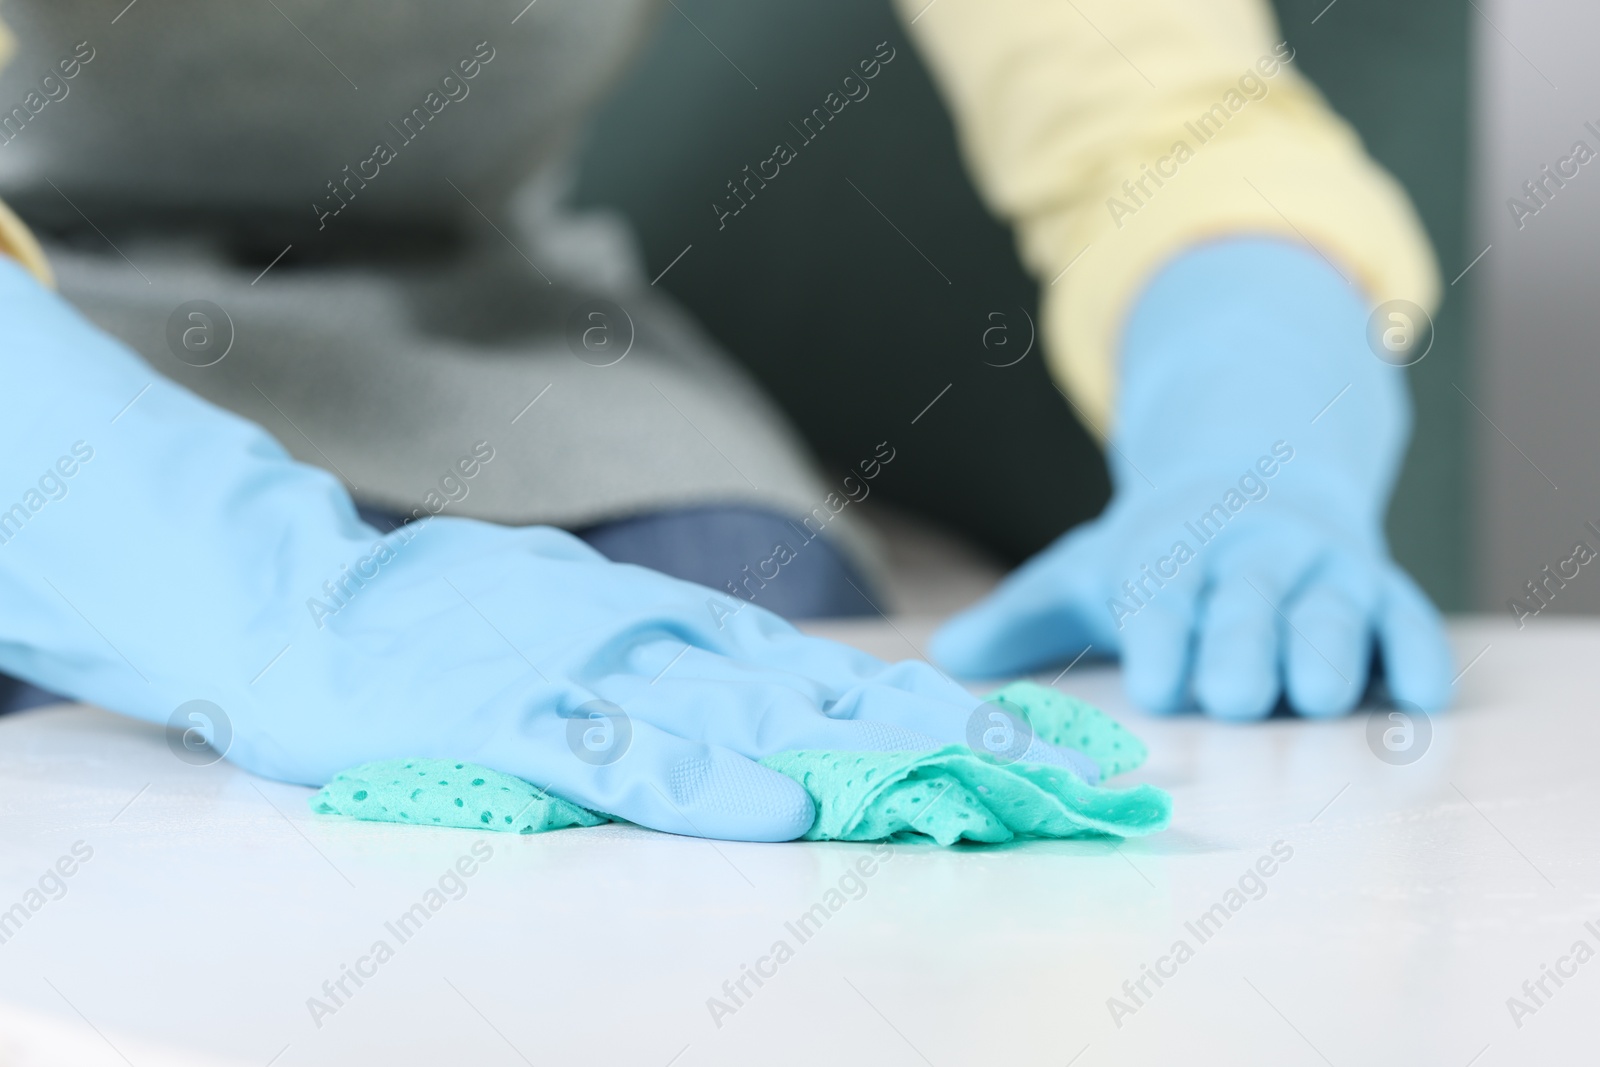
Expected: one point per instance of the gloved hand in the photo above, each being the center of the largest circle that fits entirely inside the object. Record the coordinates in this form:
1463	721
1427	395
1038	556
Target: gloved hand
163	551
1242	556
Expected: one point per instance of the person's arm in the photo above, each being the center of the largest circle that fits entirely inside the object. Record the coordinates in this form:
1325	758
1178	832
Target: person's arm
18	243
1058	104
1209	241
157	551
16	240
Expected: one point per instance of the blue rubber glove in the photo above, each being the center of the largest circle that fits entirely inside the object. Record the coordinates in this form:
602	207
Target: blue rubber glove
163	551
1242	557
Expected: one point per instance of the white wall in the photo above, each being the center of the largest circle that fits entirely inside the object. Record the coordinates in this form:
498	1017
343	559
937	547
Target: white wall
1538	297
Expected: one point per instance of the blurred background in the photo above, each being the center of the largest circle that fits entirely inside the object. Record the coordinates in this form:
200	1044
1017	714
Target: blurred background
1535	315
1462	102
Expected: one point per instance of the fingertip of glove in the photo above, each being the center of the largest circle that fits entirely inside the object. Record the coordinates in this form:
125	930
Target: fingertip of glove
790	813
1154	692
1421	670
1237	703
1430	695
1323	697
723	795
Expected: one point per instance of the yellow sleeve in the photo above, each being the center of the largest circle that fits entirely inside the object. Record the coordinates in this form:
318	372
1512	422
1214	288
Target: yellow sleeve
1114	133
16	240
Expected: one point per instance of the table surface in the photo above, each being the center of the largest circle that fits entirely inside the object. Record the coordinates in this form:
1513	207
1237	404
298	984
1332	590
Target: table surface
1407	904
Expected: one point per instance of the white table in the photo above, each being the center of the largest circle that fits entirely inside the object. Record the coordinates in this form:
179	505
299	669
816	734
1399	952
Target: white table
1417	900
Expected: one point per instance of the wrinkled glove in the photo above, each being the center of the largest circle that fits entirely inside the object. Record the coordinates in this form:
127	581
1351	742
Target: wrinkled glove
162	551
1242	557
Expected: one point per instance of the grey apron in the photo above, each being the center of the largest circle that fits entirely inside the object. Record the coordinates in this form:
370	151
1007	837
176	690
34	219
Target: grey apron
343	221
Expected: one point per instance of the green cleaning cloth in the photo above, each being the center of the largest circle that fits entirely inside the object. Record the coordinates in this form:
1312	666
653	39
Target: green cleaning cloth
949	795
1067	722
439	792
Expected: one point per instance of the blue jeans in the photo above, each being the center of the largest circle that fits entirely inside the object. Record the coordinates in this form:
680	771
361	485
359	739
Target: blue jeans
713	545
